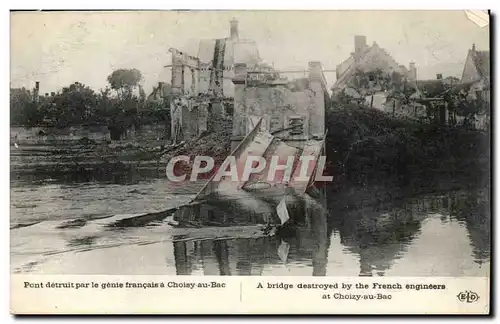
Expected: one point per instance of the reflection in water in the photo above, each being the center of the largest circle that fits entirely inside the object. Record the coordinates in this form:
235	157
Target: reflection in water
379	235
437	235
82	241
376	236
283	250
307	246
474	211
54	211
182	262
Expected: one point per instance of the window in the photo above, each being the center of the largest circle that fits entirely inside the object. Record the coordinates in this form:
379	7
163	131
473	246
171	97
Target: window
275	123
297	121
253	120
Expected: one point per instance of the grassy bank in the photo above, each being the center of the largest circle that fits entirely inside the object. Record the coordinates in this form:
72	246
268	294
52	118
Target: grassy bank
86	160
376	157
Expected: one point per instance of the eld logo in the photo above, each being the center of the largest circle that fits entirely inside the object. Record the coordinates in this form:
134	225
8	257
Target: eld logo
468	296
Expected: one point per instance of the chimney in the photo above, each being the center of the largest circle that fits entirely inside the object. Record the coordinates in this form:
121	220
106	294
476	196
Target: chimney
473	46
413	72
36	91
234	29
359	45
315	71
439	76
160	89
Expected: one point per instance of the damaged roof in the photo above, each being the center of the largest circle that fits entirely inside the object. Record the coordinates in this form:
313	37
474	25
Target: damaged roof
236	51
427	88
246	52
481	60
371	58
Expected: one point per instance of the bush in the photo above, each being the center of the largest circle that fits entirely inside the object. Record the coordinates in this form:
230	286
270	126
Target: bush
371	146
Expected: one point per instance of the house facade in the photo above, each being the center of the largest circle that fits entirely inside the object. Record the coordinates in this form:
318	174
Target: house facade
476	83
218	57
369	60
212	70
202	85
280	104
477	73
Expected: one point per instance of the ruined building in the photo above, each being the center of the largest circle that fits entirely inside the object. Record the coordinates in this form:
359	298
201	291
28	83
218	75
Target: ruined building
281	104
190	109
476	73
202	86
218	56
160	92
369	59
273	119
212	71
229	71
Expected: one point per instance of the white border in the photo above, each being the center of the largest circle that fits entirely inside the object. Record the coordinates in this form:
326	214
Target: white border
251	4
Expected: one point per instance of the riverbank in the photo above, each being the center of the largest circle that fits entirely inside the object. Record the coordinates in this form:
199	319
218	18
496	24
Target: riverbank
378	224
367	148
85	159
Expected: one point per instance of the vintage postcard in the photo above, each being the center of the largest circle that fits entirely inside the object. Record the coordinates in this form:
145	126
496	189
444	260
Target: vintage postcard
250	162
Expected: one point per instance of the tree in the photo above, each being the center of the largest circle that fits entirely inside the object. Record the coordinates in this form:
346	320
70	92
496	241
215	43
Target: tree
75	104
23	109
366	83
399	88
124	81
20	98
467	106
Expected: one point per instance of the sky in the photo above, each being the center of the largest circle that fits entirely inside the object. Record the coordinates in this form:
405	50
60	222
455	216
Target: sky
59	48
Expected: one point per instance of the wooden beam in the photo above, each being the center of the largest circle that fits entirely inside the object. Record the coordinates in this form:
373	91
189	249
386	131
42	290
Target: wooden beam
183	65
274	71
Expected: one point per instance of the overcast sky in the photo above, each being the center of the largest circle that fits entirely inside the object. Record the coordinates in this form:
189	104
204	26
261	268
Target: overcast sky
58	48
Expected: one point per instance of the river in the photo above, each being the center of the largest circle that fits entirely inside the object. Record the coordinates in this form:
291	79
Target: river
445	234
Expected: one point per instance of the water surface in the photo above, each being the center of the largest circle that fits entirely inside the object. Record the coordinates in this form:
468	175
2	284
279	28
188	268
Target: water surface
445	234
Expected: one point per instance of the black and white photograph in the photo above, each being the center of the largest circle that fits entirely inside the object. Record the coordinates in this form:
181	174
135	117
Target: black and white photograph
250	143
